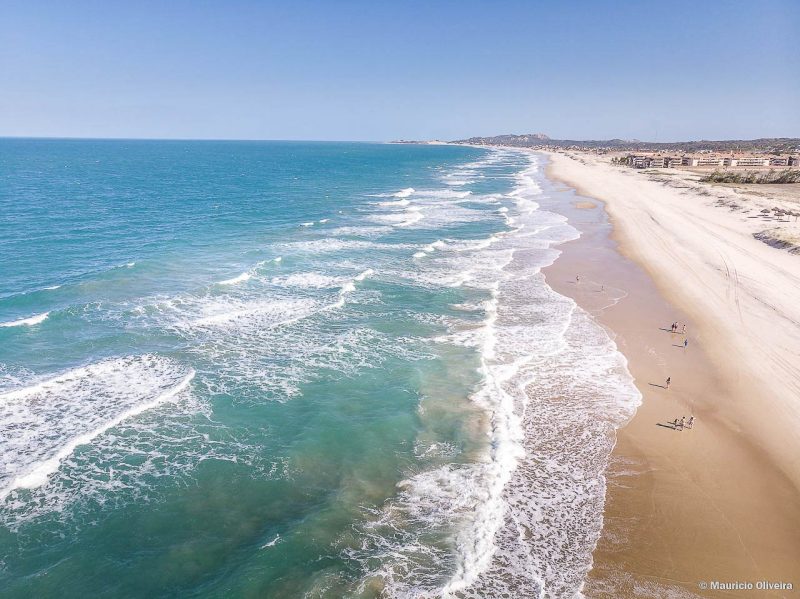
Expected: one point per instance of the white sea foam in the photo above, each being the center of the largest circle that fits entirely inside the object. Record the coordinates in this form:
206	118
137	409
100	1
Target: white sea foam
245	276
479	244
329	244
443	194
468	307
363	275
413	215
26	322
12	377
261	363
271	543
271	313
349	287
312	280
431	209
369	231
308	224
396	203
135	461
436	245
404	193
125	265
44	423
264	340
400	219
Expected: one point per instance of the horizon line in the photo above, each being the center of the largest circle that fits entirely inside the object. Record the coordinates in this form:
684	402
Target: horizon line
89	138
373	141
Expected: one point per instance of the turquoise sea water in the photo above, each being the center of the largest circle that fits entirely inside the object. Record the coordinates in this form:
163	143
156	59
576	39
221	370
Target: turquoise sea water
275	369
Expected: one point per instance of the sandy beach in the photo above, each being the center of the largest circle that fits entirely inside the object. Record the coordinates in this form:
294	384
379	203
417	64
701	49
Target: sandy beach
719	502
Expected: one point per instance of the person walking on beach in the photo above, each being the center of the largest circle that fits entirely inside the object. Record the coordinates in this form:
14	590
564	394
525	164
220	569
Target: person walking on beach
685	343
690	424
577	278
682	423
669	380
684	329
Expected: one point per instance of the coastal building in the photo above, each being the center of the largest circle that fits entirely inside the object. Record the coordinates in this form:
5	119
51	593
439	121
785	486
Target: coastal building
750	161
707	160
674	161
784	161
638	161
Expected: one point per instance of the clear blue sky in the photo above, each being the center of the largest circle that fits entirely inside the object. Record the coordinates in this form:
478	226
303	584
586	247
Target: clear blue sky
665	70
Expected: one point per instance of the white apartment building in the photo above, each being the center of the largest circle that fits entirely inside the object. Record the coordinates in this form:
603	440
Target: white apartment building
710	161
749	161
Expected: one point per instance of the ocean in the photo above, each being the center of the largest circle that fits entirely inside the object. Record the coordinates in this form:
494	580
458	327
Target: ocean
284	369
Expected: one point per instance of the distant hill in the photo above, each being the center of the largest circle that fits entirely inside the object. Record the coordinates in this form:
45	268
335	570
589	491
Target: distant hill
766	144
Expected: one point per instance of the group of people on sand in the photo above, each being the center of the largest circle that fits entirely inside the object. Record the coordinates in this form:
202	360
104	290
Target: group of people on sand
679	425
675	328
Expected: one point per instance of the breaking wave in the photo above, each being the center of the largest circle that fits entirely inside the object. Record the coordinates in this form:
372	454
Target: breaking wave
26	322
42	424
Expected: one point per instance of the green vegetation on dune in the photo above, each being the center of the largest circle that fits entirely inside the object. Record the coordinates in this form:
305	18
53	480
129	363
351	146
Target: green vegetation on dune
782	176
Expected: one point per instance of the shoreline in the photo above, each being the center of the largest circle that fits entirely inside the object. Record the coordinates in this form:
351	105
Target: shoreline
682	507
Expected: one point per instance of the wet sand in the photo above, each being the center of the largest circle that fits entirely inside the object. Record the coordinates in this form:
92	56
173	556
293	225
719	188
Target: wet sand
683	507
